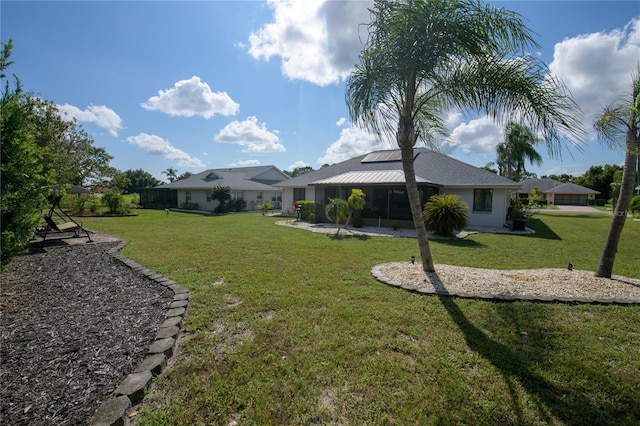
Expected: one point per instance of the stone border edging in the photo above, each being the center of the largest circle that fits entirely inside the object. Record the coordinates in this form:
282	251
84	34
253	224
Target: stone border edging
376	272
114	411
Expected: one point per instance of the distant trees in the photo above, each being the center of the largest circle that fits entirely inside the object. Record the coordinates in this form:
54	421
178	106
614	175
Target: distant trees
298	171
140	179
518	147
172	174
564	178
184	175
599	178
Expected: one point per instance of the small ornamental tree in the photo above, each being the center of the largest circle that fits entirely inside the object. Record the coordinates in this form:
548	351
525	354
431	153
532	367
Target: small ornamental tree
445	213
337	210
355	201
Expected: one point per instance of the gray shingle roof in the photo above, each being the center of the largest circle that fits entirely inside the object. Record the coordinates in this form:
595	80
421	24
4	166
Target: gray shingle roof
570	188
238	179
550	186
430	166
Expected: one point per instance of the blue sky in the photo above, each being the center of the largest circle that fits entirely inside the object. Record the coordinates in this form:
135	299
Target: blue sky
213	84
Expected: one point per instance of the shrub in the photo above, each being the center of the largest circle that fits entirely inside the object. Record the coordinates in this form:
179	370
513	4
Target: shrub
600	202
115	203
189	205
591	202
265	207
357	222
445	213
635	204
238	205
312	218
306	208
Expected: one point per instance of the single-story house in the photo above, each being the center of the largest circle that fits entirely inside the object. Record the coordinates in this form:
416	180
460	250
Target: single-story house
380	175
253	184
558	193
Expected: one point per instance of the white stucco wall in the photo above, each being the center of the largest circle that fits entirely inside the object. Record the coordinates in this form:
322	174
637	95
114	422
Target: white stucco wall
287	197
495	218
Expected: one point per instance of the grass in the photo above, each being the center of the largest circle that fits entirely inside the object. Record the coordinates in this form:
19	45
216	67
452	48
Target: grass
289	327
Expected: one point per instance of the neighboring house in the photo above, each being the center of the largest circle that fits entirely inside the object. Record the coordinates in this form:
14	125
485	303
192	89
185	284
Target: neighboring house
380	175
253	184
558	193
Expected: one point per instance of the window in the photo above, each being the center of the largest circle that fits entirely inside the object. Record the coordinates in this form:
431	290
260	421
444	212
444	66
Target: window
259	196
298	194
209	194
237	195
187	195
482	200
276	196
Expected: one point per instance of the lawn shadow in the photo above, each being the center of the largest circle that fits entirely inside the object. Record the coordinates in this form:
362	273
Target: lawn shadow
553	402
346	237
542	230
457	242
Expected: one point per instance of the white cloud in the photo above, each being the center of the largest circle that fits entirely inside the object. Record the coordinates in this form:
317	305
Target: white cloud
155	145
597	67
316	40
566	169
341	122
254	136
245	163
99	114
297	165
353	141
480	135
192	97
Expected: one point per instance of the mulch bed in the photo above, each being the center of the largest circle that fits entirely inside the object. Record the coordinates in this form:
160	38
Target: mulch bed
75	322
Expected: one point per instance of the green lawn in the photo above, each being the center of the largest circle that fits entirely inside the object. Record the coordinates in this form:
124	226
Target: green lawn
289	327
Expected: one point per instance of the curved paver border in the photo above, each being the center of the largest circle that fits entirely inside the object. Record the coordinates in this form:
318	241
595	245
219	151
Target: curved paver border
114	411
377	273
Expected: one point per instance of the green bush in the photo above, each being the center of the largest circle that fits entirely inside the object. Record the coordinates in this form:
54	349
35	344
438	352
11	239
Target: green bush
591	202
266	207
115	203
445	213
600	202
189	205
356	221
635	204
306	208
238	205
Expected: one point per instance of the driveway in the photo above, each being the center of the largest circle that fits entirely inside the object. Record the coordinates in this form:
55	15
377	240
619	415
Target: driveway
573	209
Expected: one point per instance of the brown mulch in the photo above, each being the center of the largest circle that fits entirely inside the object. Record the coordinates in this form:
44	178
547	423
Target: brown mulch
74	323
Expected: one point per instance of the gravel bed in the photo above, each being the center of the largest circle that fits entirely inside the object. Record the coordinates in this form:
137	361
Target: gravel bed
528	284
75	321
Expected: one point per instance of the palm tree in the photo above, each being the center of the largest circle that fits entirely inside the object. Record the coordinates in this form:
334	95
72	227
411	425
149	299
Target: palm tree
172	174
337	210
356	201
445	213
222	194
423	58
517	147
620	122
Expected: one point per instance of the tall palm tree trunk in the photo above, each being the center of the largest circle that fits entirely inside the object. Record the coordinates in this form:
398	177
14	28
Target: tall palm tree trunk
605	267
405	141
